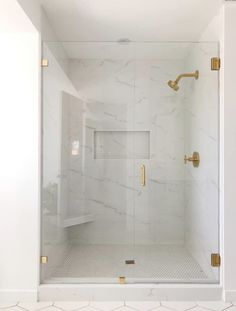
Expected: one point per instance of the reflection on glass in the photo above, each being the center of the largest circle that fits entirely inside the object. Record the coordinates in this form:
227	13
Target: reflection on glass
75	148
110	113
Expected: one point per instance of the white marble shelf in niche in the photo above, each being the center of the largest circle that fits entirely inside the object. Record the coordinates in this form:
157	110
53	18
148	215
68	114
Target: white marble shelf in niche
121	144
73	221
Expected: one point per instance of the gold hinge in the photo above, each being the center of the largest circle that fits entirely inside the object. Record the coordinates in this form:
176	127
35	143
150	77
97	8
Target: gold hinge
215	260
44	259
122	280
215	63
45	62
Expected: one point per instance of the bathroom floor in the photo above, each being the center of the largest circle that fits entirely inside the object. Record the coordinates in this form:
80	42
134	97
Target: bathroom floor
119	305
162	263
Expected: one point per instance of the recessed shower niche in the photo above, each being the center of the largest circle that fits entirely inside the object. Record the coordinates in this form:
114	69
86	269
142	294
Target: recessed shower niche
121	145
115	138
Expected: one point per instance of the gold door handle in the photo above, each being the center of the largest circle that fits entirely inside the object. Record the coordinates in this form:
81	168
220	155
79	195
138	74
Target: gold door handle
195	159
143	175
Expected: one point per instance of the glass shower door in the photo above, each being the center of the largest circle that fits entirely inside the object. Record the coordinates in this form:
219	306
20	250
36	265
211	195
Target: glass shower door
177	209
118	200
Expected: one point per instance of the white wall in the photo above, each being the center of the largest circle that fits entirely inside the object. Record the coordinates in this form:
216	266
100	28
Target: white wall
19	136
19	166
227	37
228	121
33	11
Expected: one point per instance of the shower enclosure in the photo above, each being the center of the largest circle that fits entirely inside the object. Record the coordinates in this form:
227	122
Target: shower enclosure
124	197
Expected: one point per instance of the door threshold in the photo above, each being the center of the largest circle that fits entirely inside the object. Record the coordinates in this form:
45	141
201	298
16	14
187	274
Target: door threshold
129	292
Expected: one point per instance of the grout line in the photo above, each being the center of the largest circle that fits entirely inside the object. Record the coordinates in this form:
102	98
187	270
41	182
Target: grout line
123	304
214	309
173	309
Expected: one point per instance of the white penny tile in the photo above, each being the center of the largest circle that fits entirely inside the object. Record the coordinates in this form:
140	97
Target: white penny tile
214	305
33	306
143	305
106	305
179	305
4	305
70	305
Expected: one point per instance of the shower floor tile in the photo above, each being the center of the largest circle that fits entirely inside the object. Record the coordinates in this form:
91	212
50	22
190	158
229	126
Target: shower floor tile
160	263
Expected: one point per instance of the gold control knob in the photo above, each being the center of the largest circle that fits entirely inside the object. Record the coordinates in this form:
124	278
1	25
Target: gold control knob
195	159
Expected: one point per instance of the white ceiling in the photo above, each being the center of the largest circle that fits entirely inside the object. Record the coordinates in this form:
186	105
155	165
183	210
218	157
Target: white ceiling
137	20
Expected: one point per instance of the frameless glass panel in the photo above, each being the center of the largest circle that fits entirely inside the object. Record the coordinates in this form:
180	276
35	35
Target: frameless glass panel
177	211
118	199
90	233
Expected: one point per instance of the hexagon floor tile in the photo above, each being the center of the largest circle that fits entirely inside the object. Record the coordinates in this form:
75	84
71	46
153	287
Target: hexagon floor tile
16	308
106	305
4	305
126	309
143	305
214	305
179	305
34	306
71	305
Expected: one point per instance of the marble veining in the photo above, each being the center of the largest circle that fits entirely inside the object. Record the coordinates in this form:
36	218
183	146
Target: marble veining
103	180
124	95
201	134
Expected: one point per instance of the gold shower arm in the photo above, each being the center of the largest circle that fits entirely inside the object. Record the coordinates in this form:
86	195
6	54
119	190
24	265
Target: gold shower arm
188	75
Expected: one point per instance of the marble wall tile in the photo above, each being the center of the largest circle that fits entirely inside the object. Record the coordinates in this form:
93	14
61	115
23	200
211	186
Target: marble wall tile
201	134
128	95
179	204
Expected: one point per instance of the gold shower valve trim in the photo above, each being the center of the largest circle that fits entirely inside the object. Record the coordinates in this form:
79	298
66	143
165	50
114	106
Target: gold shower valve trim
195	159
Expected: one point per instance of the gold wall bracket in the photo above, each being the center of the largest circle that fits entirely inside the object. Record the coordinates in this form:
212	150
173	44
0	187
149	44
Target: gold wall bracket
215	260
44	259
215	63
195	159
122	280
45	62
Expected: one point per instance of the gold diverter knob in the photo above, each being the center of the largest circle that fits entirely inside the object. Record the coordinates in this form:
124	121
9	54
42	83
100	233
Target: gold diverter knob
195	159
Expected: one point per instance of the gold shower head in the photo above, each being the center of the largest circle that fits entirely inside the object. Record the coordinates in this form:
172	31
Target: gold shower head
174	84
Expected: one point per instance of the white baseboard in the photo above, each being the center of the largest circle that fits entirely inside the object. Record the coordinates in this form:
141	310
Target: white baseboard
229	295
15	295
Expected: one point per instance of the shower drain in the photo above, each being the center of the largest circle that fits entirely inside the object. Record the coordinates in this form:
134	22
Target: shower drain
130	262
